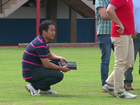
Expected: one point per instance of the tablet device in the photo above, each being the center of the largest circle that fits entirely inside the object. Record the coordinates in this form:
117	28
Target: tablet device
70	64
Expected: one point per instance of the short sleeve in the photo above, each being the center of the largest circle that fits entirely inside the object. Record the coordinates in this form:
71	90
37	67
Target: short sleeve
117	3
99	3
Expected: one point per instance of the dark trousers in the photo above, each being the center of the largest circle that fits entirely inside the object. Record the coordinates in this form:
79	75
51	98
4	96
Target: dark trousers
43	78
128	74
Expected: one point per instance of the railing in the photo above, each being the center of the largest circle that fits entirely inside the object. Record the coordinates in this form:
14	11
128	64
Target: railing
2	5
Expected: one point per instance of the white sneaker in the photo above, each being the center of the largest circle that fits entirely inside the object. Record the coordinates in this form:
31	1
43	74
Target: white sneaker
109	89
31	89
48	92
126	95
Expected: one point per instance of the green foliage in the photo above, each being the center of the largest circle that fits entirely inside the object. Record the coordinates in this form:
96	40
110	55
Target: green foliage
79	87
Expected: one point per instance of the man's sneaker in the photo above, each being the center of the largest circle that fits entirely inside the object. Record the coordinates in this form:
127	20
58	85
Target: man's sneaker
48	92
126	95
31	89
109	89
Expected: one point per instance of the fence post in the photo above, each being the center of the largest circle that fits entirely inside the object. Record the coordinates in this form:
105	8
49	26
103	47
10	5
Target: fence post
37	16
0	6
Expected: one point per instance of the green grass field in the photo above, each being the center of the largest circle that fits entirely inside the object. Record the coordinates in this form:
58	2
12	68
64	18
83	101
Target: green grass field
79	87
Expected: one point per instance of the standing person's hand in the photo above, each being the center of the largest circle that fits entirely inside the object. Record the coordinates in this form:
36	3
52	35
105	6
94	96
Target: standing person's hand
121	28
134	35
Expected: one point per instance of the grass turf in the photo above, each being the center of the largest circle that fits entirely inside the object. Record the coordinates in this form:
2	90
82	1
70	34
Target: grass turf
79	87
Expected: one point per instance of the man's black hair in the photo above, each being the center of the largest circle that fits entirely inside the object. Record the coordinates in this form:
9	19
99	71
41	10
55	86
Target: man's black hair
45	26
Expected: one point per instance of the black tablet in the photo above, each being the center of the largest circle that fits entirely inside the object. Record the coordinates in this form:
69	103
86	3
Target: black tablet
70	64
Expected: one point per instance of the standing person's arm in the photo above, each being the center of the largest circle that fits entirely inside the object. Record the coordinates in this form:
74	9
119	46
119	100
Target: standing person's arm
103	13
111	11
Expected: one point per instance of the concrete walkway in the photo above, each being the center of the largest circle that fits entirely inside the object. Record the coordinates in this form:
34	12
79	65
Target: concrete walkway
23	45
65	44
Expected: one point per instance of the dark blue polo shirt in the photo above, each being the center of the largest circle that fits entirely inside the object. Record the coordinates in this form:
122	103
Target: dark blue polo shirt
37	49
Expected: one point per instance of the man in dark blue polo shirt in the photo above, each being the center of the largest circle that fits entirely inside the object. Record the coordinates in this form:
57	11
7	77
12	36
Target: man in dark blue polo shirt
36	67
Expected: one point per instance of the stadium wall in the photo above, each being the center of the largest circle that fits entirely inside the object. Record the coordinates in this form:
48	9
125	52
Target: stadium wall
20	26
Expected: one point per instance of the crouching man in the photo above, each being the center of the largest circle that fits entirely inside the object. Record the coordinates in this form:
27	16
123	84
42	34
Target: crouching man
40	66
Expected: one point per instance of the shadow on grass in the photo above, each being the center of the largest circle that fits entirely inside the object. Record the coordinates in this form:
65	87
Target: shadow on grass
62	96
77	96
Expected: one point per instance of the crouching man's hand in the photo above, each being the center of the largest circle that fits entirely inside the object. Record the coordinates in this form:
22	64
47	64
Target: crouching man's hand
65	69
63	59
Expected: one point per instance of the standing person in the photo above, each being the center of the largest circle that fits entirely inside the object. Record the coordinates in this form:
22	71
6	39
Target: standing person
103	28
128	74
121	12
36	67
